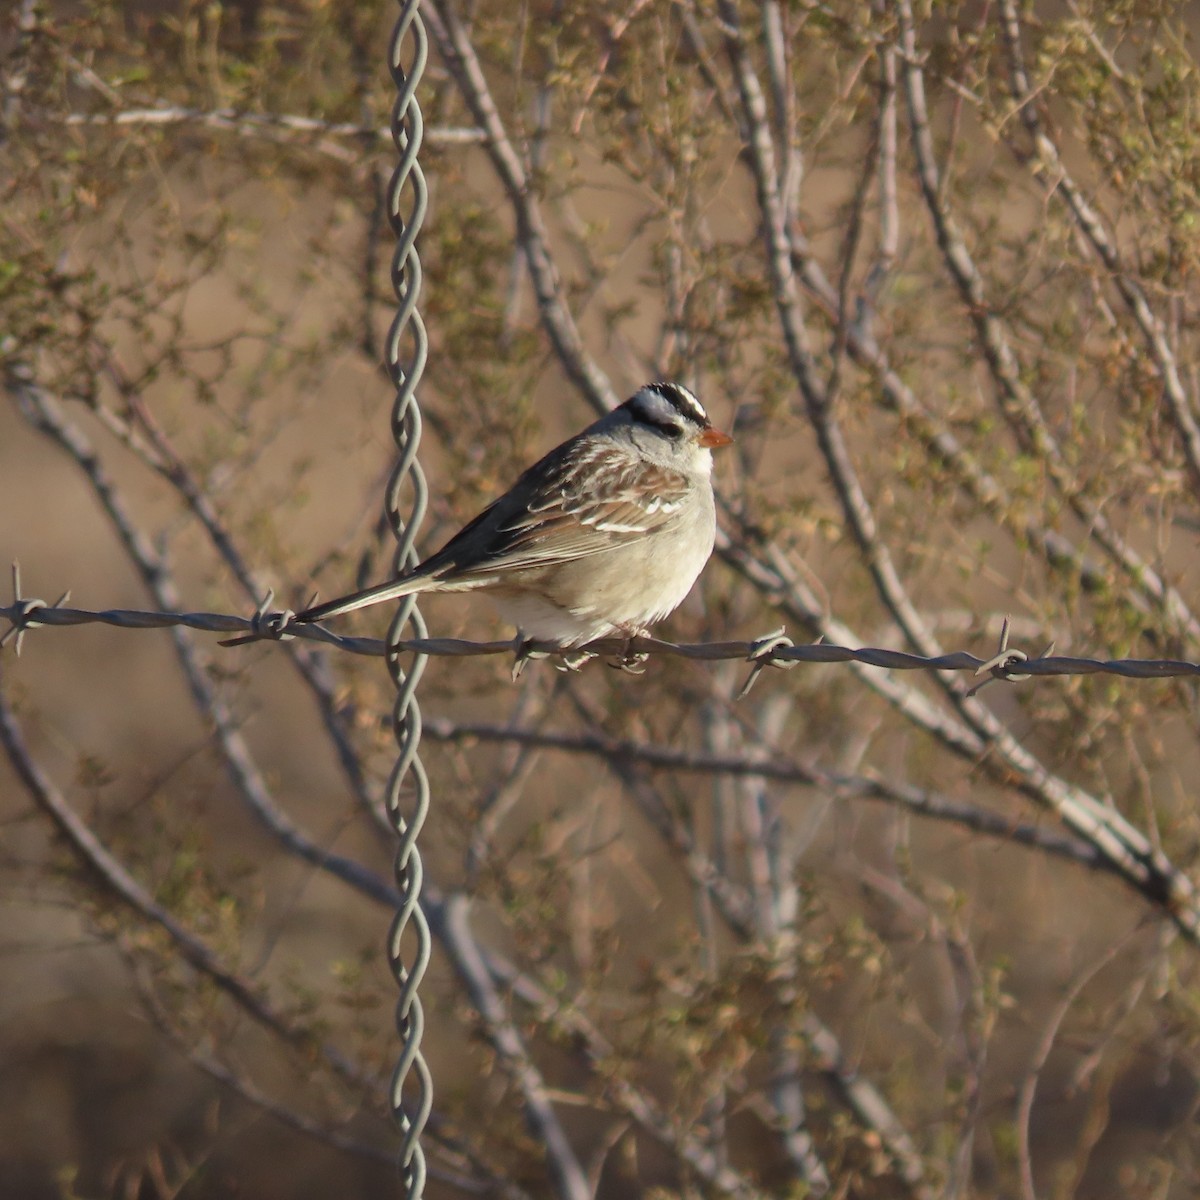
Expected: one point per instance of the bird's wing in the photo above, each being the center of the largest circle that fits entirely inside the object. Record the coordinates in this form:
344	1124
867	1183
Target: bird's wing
567	506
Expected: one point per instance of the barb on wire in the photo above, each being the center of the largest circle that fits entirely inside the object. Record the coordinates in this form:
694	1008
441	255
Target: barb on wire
408	966
763	655
773	649
23	617
1000	666
267	624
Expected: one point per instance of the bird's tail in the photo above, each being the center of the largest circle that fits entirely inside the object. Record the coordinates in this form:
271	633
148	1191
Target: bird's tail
394	589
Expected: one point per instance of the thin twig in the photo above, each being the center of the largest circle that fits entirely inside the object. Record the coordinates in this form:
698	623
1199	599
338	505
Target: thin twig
753	765
277	127
1018	404
1060	185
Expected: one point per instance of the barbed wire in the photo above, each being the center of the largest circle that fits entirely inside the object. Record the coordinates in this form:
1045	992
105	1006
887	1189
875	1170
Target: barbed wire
775	649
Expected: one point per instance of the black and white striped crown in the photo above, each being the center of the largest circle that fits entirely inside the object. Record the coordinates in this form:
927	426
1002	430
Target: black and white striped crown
659	401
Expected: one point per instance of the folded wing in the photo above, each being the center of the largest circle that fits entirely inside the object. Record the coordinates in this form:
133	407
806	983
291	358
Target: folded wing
592	499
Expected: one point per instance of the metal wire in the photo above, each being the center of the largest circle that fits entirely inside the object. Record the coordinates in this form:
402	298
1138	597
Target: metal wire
771	650
407	815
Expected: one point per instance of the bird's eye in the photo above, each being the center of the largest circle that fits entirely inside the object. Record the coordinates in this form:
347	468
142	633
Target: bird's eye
674	432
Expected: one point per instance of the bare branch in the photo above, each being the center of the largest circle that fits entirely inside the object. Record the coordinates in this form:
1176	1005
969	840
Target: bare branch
1019	405
283	128
459	55
193	950
834	451
756	764
569	1178
1061	185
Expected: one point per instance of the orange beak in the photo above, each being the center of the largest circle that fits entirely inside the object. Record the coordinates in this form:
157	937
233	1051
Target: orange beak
713	439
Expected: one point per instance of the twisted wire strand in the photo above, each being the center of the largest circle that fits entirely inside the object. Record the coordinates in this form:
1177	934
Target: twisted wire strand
407	193
31	614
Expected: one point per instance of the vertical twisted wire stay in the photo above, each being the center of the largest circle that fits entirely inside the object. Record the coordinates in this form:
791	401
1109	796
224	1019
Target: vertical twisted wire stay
411	1075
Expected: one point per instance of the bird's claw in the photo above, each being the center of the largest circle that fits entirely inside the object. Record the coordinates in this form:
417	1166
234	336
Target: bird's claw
632	662
524	652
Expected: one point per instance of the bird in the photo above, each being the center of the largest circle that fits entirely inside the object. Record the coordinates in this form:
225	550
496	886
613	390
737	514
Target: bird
603	536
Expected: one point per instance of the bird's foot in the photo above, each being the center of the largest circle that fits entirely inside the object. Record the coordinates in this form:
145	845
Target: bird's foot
573	660
526	650
632	662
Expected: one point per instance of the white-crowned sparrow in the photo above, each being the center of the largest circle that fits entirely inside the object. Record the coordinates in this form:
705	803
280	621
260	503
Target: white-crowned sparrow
605	535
